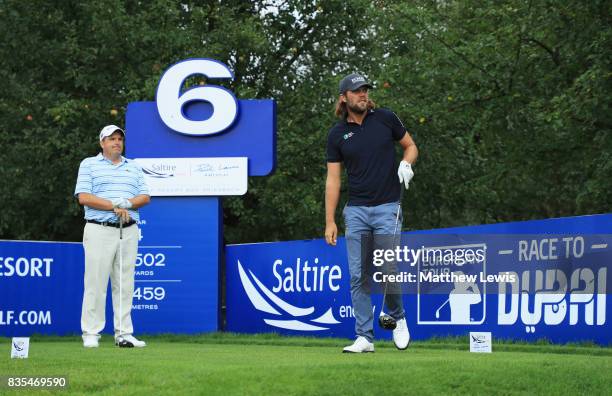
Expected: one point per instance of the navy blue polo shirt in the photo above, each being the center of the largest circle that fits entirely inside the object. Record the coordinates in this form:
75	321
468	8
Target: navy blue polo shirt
368	154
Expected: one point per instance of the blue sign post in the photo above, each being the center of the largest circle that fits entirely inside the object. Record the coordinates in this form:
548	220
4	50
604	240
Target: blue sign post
177	268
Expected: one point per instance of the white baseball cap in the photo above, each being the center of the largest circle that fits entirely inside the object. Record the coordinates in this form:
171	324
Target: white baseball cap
109	130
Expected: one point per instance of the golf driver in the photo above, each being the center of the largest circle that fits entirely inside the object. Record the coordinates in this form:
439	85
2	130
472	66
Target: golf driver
120	342
385	321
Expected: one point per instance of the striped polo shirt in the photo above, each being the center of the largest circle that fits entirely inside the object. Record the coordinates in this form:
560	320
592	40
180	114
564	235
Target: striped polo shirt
100	177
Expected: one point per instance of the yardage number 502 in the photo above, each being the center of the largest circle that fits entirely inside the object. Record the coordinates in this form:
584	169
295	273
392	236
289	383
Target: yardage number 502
151	259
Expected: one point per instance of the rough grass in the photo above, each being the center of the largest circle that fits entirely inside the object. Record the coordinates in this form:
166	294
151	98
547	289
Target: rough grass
224	363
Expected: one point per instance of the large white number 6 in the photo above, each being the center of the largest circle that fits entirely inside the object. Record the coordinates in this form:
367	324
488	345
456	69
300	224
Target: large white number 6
170	102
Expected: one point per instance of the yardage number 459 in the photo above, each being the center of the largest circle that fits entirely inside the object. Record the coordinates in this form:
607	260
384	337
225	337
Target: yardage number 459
150	293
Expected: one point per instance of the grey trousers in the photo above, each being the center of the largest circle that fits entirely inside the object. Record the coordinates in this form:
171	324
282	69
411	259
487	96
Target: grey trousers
379	222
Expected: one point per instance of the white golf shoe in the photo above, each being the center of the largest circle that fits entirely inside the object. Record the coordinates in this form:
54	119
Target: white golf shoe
129	341
401	335
90	341
361	345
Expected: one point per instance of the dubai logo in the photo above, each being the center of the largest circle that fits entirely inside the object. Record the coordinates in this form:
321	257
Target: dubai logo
286	316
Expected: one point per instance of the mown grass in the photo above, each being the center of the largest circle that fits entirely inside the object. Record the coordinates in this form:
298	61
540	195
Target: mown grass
224	363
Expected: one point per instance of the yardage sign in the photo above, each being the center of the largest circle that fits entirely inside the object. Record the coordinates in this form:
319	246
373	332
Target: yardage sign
192	138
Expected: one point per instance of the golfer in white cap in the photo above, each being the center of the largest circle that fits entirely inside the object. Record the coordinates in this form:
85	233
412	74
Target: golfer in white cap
111	188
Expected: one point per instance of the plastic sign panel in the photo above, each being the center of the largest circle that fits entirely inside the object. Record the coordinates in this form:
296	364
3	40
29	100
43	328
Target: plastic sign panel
195	176
177	268
41	288
480	342
291	287
176	285
527	286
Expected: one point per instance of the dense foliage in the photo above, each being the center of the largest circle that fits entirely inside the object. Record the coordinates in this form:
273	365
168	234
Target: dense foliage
508	101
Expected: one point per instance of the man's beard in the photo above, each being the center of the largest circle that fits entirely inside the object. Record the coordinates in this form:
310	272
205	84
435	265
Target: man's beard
356	109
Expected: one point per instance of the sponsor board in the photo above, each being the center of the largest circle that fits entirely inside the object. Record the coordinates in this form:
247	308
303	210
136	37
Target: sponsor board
530	286
41	288
516	286
293	292
175	290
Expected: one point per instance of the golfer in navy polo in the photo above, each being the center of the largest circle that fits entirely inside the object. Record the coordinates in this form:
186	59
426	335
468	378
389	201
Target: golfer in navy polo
111	188
364	141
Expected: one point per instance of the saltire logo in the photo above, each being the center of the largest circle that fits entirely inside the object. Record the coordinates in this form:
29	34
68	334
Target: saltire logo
478	339
18	345
290	316
152	173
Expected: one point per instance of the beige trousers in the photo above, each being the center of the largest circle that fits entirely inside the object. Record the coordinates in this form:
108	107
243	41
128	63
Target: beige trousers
101	244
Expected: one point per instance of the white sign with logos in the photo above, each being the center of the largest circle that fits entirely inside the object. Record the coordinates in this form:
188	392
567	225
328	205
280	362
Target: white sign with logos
20	348
480	342
195	176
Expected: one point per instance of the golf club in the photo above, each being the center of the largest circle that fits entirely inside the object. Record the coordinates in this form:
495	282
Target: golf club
120	342
441	306
385	321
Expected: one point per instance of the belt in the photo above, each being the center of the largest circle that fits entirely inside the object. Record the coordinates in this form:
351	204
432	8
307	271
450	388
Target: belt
110	224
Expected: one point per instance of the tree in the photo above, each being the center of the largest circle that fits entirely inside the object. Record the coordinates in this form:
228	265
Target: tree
72	67
508	104
508	101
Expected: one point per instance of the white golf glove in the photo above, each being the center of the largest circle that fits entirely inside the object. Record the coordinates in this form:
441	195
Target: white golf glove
121	203
405	173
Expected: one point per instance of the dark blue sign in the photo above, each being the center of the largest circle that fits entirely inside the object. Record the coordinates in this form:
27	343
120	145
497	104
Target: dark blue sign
177	269
529	284
176	284
41	288
297	287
